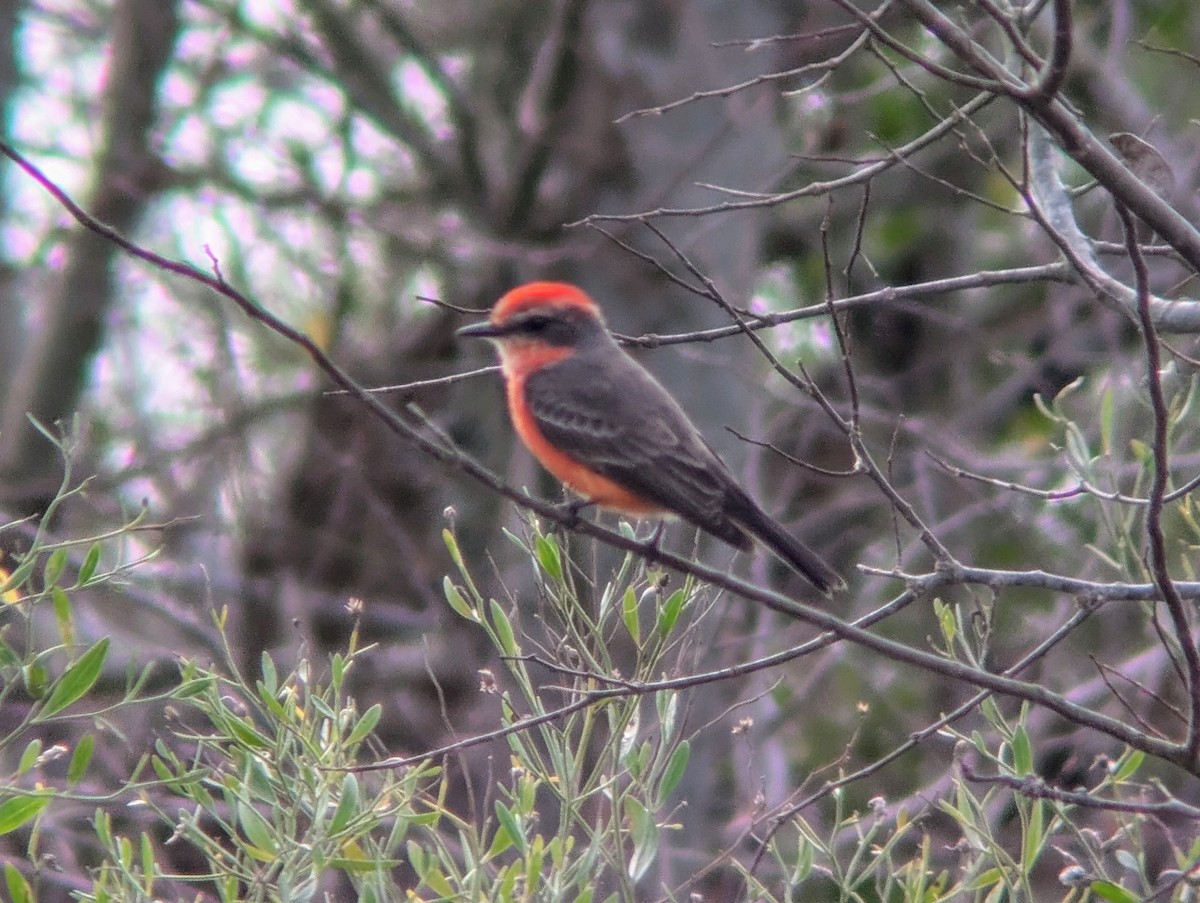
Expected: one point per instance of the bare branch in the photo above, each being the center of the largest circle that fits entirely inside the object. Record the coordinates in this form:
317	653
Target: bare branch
1055	73
1037	788
1071	134
1048	198
823	66
1052	272
813	189
1158	489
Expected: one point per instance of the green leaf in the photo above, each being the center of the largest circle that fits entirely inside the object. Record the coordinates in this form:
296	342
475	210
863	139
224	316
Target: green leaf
88	569
257	780
270	675
606	598
1022	752
502	840
245	733
509	823
1114	893
1183	403
638	759
629	614
1069	389
987	878
193	687
256	828
504	630
1039	402
666	703
124	852
8	656
17	810
451	542
534	860
991	711
365	725
549	557
62	614
1129	765
18	889
162	770
35	679
416	857
1106	420
55	565
676	766
528	795
347	806
18	575
626	747
947	622
32	750
103	827
80	677
1035	833
804	861
439	883
148	869
458	601
364	866
1077	447
81	758
645	837
668	615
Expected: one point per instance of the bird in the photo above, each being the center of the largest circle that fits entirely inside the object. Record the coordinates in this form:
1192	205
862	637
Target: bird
606	428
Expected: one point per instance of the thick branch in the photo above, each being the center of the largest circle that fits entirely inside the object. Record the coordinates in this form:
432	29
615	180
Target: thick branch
55	358
1071	135
1051	203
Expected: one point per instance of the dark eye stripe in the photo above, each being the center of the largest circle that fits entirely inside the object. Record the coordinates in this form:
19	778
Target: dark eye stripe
533	323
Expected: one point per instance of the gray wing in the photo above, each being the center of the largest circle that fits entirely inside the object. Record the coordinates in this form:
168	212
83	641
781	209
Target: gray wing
618	420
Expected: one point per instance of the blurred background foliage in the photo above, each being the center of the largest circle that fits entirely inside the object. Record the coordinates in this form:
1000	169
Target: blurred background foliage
341	161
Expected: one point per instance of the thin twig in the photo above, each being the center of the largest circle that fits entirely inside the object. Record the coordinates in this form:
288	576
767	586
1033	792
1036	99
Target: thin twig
813	189
422	383
1167	705
1037	788
1051	272
1158	489
768	78
1081	489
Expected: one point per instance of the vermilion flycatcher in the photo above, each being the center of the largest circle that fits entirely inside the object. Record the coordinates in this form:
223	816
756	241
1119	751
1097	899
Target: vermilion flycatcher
608	429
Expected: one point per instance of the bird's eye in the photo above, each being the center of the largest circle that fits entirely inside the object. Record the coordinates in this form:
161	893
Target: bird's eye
535	323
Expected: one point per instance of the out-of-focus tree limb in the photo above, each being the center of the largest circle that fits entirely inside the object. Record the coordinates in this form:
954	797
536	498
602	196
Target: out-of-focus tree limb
53	369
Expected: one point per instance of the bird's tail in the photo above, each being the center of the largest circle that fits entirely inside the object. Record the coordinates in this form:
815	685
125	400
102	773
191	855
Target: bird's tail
807	562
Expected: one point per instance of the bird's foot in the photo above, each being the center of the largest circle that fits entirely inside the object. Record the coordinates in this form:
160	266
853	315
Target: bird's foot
655	539
652	544
568	513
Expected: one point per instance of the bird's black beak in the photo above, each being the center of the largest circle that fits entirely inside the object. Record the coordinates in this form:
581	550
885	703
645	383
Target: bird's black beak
484	330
